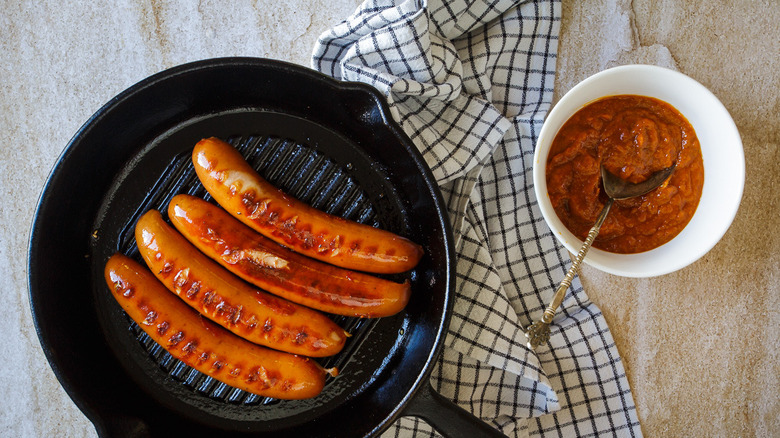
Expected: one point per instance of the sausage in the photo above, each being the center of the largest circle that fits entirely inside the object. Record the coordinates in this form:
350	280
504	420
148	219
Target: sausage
240	190
204	345
254	315
280	271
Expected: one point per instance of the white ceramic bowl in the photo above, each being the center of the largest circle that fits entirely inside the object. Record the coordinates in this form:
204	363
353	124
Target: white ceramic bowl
721	147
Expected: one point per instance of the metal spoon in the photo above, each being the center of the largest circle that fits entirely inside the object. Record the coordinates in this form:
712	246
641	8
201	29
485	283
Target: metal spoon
616	189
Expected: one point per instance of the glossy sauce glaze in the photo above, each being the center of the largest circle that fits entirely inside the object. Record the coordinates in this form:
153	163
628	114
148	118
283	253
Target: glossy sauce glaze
240	190
280	271
632	137
204	345
254	315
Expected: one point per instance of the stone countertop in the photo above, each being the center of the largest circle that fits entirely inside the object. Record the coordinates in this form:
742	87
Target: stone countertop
700	346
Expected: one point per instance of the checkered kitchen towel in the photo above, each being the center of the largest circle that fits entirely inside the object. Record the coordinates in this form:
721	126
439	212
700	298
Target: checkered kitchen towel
470	81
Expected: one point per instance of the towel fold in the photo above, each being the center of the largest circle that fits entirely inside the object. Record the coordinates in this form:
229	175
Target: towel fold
470	83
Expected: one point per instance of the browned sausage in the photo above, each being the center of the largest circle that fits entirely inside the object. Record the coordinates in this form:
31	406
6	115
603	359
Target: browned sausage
237	187
204	345
255	315
280	271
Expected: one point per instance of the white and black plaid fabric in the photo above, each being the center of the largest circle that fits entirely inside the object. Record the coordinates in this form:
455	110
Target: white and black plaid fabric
471	82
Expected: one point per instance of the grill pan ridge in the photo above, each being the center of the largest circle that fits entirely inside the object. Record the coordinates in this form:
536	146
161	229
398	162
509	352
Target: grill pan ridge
321	168
296	169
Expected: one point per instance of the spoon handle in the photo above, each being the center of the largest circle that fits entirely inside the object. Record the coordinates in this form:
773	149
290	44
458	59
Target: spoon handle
539	332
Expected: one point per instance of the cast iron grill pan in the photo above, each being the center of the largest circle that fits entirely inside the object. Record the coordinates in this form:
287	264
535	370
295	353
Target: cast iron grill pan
328	143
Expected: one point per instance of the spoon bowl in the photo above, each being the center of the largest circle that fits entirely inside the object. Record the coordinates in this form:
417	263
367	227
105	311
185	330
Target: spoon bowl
618	189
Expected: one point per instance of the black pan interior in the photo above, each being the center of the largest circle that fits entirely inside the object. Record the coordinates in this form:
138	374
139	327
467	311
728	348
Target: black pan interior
330	144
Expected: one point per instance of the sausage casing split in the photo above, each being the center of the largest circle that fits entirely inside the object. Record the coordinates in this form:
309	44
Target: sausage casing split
238	188
280	271
204	345
255	315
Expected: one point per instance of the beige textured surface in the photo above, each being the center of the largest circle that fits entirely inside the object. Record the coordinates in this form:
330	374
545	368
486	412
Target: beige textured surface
700	346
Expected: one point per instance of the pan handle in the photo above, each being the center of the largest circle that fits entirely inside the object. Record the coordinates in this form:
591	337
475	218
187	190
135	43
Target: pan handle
446	417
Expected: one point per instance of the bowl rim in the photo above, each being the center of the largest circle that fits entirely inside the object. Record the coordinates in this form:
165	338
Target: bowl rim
654	262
